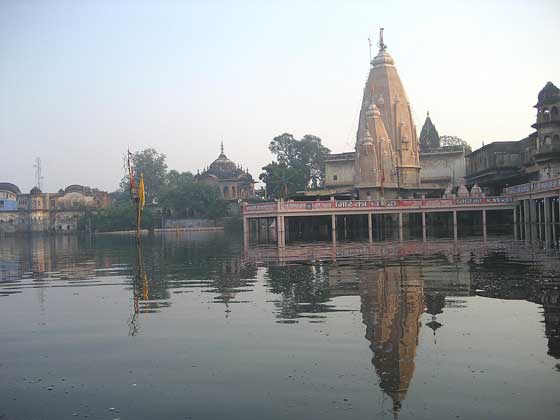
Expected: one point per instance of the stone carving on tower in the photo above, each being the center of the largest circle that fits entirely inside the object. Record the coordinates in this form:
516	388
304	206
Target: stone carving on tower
385	107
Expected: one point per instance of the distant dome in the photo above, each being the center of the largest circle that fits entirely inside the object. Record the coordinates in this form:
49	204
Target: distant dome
74	188
549	94
222	168
35	190
8	186
245	177
222	164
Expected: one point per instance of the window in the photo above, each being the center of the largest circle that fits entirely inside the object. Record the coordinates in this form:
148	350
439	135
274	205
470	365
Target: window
335	178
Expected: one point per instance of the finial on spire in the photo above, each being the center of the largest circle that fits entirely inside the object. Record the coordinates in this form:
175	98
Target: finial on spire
428	114
222	147
381	44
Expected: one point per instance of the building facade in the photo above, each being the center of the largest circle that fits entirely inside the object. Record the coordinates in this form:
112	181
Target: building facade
536	157
442	166
233	181
8	196
47	212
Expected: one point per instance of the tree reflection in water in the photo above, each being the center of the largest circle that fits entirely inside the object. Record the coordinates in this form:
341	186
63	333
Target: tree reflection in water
395	292
395	283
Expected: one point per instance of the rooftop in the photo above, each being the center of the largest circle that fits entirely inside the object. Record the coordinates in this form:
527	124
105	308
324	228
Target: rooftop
8	186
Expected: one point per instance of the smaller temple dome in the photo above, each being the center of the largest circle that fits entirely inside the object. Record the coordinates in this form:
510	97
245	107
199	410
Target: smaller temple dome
8	186
35	191
429	137
245	177
372	110
549	94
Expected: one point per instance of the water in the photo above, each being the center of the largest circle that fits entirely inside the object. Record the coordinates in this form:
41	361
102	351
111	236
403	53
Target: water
196	326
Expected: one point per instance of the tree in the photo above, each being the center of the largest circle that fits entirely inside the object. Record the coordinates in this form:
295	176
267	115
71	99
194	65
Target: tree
182	194
300	165
121	217
152	165
281	180
454	141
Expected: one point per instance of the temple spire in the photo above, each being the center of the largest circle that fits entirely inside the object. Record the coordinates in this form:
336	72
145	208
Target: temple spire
222	147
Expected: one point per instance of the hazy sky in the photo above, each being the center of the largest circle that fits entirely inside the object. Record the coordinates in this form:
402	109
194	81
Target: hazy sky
80	81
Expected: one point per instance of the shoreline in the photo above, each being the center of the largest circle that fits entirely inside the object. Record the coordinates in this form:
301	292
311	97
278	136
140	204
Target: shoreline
164	230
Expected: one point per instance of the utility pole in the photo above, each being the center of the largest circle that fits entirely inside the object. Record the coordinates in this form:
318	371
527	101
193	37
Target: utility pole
38	173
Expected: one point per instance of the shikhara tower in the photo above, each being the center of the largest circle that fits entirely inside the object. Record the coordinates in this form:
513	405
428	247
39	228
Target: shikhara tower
387	149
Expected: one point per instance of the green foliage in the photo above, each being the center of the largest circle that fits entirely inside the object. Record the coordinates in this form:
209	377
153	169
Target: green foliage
120	198
282	180
455	141
152	165
300	165
182	194
115	218
177	192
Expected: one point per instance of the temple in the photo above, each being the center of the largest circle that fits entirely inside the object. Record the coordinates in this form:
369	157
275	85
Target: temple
232	180
443	164
386	160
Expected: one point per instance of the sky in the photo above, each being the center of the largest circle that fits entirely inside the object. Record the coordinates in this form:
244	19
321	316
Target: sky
83	81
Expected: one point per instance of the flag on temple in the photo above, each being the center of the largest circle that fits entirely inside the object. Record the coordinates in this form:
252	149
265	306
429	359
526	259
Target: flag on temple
141	193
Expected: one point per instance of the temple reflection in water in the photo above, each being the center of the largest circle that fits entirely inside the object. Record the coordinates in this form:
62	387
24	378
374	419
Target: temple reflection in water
392	303
395	285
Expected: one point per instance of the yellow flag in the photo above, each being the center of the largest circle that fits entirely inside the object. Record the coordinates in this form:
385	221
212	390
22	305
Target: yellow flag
141	193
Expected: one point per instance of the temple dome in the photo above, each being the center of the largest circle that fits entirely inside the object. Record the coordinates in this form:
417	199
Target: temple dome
222	164
245	177
223	168
549	94
35	191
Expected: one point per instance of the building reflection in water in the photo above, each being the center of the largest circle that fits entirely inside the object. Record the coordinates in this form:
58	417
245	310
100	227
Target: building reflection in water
550	300
395	284
391	305
230	277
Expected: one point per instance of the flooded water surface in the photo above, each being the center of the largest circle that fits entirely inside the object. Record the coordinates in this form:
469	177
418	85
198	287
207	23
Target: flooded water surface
199	327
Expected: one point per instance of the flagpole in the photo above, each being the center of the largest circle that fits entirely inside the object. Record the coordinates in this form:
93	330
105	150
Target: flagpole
138	219
369	42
